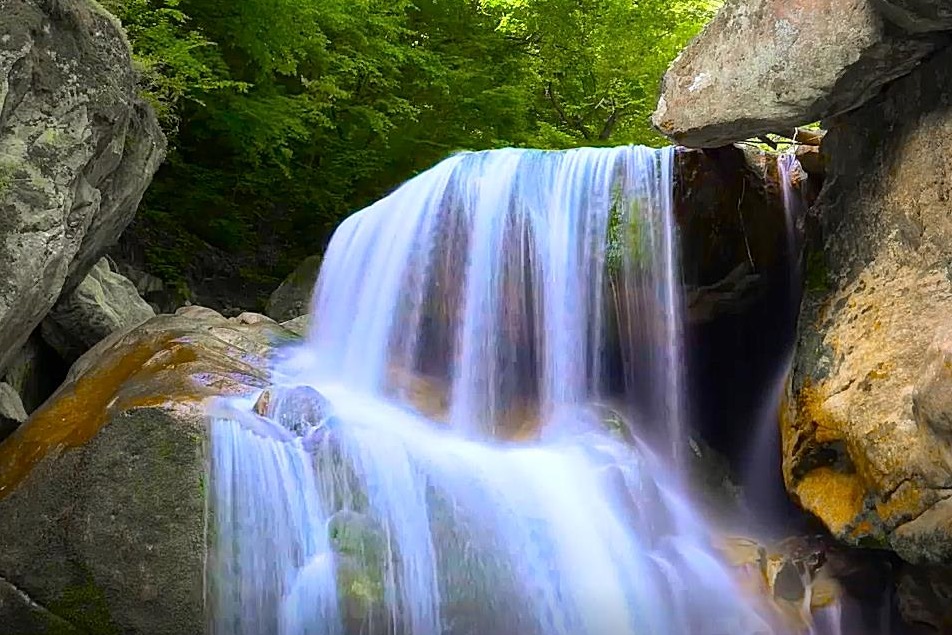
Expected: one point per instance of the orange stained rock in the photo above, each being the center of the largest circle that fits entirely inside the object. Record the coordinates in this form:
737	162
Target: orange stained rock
812	410
836	497
907	502
76	413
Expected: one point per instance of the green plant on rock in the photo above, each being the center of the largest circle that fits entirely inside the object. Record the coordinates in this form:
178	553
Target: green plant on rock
817	274
626	232
360	549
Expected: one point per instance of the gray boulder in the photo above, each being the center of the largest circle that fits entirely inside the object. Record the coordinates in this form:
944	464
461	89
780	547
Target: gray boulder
25	617
12	413
298	325
765	66
77	149
103	303
292	298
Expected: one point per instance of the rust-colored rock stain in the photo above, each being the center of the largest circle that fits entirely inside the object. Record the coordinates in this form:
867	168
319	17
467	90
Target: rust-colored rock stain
73	416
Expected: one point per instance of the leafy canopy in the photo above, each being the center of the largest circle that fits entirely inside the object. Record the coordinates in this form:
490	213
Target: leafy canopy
286	115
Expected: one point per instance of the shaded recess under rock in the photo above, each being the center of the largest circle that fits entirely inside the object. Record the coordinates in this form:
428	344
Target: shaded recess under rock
103	303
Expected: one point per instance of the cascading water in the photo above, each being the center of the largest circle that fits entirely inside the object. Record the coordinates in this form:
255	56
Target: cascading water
435	459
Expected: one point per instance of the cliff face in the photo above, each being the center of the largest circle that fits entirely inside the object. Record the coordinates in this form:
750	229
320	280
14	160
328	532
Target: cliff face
868	443
78	148
867	427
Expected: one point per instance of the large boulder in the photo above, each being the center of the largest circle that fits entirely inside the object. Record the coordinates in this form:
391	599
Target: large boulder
867	437
102	491
766	66
77	149
103	303
733	233
292	298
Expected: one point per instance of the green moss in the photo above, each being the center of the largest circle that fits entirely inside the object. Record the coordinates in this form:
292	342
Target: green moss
84	606
7	171
626	235
165	447
817	274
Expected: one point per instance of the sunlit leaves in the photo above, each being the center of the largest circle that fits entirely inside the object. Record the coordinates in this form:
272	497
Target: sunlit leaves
288	114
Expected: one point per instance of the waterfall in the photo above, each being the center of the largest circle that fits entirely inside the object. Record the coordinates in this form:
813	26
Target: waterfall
763	478
478	434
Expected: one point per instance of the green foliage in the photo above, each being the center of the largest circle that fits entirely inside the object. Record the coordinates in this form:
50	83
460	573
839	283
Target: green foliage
598	63
817	274
175	61
7	172
286	115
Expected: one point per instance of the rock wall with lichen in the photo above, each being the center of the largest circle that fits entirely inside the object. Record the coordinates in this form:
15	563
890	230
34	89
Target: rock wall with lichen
78	148
867	439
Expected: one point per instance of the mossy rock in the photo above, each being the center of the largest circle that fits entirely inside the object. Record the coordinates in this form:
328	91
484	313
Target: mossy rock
360	548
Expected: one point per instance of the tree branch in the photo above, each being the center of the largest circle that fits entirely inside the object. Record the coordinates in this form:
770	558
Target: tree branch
609	126
577	124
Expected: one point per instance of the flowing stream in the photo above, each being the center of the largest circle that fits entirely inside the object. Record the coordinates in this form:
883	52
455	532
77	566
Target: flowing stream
481	433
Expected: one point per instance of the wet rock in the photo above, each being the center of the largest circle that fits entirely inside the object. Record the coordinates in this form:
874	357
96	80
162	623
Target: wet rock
293	297
22	616
102	490
298	325
354	534
765	66
866	441
299	409
103	303
710	476
812	160
360	548
78	147
792	575
12	413
733	237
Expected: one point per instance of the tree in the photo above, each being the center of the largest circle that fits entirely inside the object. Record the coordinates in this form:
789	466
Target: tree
286	115
598	63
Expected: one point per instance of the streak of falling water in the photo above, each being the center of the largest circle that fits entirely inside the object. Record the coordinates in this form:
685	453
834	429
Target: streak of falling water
446	469
763	477
829	621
